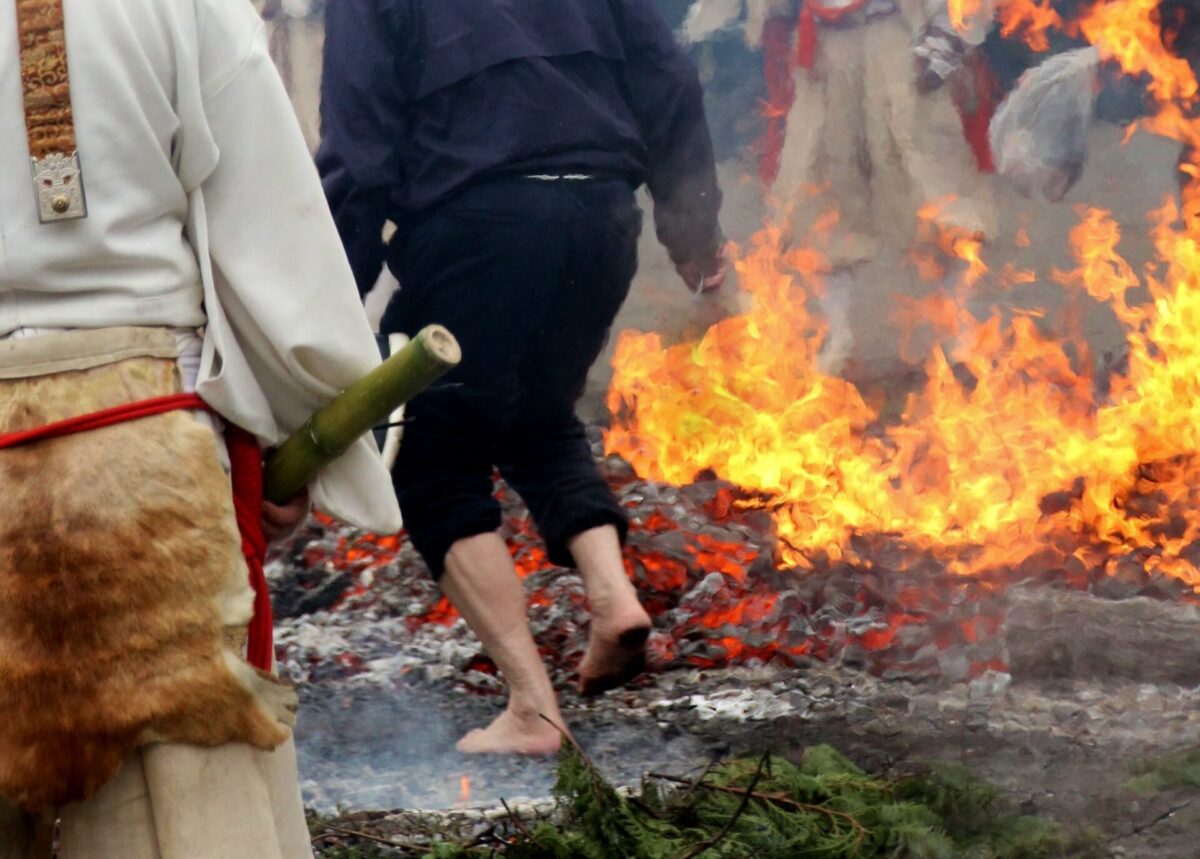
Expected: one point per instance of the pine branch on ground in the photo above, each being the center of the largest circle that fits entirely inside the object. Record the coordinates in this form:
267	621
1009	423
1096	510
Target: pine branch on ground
822	807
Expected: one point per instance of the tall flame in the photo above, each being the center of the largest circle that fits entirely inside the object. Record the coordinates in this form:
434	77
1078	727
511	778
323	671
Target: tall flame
1010	450
1031	20
963	12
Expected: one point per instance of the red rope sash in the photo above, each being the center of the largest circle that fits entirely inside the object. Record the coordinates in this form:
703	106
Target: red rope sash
104	418
245	475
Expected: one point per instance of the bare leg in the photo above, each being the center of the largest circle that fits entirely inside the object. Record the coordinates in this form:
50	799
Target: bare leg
620	626
483	585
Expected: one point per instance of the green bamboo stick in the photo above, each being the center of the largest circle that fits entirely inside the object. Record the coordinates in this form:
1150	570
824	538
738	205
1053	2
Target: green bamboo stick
330	432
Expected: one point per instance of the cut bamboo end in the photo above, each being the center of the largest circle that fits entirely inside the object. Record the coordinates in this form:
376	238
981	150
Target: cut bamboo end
330	432
440	344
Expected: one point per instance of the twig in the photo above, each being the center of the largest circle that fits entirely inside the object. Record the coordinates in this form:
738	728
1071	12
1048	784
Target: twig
1138	830
354	833
777	798
729	824
700	781
659	814
645	808
588	764
566	735
488	838
517	822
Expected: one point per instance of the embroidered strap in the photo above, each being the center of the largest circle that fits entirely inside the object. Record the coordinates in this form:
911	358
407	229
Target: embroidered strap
49	123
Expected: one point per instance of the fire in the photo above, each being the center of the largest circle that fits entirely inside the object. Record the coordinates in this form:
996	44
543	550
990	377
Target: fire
963	12
1031	20
1012	449
464	790
1129	33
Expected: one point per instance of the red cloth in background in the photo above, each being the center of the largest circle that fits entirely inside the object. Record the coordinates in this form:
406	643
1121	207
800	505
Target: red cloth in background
781	92
977	96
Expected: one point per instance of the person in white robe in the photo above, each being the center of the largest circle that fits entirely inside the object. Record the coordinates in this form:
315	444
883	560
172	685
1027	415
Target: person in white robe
873	135
206	217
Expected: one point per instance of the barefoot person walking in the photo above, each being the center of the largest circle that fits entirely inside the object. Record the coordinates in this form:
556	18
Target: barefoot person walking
505	140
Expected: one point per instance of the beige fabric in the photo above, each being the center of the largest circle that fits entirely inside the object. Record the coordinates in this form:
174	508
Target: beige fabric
184	802
862	142
23	358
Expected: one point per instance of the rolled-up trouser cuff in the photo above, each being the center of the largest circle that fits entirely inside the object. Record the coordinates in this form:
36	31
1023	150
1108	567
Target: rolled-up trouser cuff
572	526
434	541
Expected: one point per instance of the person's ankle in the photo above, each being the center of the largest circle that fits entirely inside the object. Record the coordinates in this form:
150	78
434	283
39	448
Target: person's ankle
609	594
533	708
618	609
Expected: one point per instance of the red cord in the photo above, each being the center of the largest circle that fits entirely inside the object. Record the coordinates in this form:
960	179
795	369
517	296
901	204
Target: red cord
245	460
246	474
104	418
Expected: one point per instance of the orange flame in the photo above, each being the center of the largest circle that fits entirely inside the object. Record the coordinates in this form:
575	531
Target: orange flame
963	13
1129	33
1009	451
1030	20
464	790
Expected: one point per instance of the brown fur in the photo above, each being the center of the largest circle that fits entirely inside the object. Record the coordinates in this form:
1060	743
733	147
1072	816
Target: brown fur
120	570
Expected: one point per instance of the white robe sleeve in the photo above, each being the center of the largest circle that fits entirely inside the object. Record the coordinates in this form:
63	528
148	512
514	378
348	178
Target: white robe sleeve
286	329
978	20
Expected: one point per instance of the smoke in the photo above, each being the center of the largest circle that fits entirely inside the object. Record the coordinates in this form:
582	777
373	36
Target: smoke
834	305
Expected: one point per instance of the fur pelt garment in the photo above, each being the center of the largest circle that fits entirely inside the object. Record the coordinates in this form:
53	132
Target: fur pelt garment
122	590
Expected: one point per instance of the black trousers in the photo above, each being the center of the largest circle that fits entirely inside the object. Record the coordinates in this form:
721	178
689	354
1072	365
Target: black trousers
528	274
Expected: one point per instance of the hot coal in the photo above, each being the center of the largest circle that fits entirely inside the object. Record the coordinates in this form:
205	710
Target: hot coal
704	565
881	649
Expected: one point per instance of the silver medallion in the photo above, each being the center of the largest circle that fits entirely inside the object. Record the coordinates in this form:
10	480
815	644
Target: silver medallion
58	182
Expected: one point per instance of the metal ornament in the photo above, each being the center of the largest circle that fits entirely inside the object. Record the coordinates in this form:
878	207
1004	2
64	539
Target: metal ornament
58	183
49	120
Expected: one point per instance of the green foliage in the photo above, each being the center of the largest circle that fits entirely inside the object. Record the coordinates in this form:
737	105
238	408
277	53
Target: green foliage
1181	769
823	807
594	811
355	851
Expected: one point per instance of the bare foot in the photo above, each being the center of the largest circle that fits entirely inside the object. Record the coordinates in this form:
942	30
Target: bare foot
511	734
616	651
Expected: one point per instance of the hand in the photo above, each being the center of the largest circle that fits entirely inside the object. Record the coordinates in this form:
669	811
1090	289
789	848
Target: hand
704	275
280	522
938	54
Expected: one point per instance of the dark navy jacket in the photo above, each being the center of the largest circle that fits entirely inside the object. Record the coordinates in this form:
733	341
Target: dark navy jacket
423	97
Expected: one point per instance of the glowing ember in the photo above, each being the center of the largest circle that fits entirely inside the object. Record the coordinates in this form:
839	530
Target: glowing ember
1009	451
